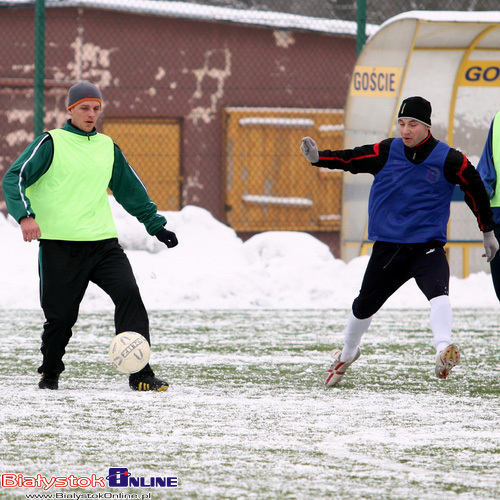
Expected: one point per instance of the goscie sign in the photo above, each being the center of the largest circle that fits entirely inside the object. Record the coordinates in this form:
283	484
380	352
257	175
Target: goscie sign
481	74
375	81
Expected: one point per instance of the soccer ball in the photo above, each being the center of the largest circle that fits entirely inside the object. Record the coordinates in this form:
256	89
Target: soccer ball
129	352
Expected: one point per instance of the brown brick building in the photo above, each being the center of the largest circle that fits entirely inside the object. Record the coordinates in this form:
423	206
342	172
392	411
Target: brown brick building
208	104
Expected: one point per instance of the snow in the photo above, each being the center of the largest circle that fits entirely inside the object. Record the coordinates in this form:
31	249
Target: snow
212	268
277	200
184	10
277	122
457	16
246	415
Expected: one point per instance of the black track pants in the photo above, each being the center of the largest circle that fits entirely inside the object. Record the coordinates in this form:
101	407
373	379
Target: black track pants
391	265
495	267
66	268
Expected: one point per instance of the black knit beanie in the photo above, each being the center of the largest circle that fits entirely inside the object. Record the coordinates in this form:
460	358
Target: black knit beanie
83	91
417	108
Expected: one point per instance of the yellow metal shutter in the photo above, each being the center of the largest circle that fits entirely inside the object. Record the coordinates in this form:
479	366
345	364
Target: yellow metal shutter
152	147
268	183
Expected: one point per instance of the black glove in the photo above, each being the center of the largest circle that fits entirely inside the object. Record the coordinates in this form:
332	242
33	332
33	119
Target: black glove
167	237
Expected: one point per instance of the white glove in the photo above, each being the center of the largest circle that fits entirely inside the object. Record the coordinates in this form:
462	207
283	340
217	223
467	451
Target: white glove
490	245
310	150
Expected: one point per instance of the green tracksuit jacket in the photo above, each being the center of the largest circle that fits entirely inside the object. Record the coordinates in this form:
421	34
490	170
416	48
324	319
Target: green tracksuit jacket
28	171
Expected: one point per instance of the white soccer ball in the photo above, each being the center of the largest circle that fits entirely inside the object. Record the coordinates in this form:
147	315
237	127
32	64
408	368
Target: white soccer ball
129	352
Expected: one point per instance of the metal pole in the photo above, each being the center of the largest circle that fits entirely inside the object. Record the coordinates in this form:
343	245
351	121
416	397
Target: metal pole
39	67
361	29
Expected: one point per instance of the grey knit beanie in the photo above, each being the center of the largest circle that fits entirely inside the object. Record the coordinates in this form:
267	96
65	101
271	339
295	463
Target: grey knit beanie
83	91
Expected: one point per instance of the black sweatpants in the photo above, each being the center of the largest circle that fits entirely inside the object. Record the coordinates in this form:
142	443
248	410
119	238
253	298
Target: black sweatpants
495	266
392	264
65	269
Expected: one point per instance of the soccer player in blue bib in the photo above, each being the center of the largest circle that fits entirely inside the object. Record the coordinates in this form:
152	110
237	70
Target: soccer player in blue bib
409	208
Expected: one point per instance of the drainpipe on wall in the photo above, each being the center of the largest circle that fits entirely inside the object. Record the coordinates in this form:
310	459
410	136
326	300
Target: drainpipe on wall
39	67
361	28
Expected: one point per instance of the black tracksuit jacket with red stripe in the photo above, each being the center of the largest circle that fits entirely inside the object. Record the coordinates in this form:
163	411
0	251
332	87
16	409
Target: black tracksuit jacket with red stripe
457	170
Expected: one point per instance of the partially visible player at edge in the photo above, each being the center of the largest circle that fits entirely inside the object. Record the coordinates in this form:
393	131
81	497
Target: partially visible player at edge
57	191
409	208
489	170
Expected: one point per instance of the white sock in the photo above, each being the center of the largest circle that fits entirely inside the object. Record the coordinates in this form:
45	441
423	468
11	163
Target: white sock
352	336
441	319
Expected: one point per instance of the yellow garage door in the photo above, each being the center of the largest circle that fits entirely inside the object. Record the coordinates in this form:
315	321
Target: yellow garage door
152	147
269	185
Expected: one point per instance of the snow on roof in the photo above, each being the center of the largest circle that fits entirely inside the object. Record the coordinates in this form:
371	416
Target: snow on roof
276	122
450	16
185	10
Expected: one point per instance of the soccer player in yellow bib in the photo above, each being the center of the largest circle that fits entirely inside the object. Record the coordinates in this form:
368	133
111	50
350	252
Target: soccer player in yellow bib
58	192
489	169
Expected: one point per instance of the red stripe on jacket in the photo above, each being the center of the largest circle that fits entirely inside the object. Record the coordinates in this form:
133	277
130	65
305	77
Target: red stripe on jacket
376	149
